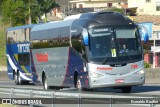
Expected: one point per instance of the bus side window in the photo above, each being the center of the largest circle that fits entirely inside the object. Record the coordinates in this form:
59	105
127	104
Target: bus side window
76	43
83	50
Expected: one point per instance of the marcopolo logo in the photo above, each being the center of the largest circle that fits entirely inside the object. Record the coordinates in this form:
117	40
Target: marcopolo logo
42	57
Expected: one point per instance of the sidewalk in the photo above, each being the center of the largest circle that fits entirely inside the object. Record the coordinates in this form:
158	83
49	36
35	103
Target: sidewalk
3	73
3	68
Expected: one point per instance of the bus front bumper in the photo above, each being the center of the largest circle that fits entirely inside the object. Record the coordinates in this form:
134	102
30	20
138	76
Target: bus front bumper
117	81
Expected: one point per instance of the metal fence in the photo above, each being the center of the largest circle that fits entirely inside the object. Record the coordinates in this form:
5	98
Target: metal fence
52	98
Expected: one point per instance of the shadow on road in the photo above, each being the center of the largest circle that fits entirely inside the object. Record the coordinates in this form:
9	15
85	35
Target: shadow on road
135	89
149	88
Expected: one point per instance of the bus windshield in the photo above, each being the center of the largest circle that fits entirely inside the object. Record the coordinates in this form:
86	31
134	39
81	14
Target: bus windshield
114	45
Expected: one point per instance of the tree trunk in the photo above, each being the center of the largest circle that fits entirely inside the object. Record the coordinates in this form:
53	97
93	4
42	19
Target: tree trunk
45	17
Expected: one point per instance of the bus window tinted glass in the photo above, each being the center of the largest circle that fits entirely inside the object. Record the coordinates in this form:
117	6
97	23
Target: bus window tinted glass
100	42
24	59
128	42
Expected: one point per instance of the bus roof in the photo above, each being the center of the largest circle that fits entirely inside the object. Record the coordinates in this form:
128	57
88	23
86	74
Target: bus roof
21	27
49	30
63	28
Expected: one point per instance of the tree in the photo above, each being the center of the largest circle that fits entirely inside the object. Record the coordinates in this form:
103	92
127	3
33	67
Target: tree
46	5
114	9
11	12
20	12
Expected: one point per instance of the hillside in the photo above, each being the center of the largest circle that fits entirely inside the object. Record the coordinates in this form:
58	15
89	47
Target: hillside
2	45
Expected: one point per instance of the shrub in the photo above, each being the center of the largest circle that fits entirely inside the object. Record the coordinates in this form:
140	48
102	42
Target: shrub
147	65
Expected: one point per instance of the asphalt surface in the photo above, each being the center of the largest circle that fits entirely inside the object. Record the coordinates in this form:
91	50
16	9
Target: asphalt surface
147	89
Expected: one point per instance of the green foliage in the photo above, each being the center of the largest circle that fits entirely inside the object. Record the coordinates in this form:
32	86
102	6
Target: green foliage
11	12
45	6
2	44
147	45
114	10
17	12
147	65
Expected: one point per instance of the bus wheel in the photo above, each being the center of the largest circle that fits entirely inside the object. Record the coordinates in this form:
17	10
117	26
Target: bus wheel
19	81
127	89
45	83
16	79
78	84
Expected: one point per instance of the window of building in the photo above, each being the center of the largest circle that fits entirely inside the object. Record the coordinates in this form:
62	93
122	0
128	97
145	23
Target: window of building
141	10
151	58
157	5
109	4
147	1
158	55
80	5
157	8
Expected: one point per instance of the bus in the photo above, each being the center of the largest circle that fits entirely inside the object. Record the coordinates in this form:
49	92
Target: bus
89	51
18	54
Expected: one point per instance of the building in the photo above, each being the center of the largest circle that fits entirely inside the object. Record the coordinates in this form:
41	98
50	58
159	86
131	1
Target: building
97	3
70	7
148	11
152	23
144	7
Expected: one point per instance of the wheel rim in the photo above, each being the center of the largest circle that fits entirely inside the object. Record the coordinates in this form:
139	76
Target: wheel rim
78	85
19	79
15	78
45	84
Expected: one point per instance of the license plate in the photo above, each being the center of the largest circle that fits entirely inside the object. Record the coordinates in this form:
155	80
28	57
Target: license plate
119	81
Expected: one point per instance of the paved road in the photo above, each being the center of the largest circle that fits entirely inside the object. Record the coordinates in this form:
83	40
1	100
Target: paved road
147	89
153	89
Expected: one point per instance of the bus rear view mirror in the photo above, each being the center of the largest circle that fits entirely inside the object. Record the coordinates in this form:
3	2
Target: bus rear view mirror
144	33
85	37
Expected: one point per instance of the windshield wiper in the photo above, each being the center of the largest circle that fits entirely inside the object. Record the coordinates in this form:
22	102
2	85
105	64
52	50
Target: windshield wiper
128	55
106	58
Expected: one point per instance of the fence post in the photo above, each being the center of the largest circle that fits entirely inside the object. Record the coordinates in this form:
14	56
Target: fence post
111	98
53	97
79	100
31	96
12	93
151	105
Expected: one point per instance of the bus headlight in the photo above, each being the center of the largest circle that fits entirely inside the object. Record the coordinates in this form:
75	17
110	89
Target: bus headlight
95	75
141	72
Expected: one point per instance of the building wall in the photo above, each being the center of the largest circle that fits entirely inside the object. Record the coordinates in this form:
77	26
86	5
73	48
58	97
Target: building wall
96	3
149	57
144	7
146	58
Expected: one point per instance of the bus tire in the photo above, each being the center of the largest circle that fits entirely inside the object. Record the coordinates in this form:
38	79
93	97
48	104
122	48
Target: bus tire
15	77
78	83
45	82
127	89
18	79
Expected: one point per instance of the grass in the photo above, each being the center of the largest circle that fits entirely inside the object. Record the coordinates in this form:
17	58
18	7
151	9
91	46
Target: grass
7	105
2	44
2	49
10	105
